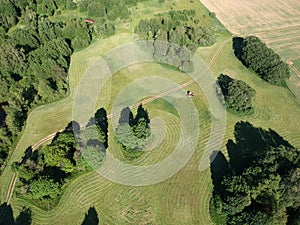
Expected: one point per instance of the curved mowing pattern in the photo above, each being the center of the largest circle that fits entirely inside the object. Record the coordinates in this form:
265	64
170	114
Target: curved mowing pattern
183	198
133	53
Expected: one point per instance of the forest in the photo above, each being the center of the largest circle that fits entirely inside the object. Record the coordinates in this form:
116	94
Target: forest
34	60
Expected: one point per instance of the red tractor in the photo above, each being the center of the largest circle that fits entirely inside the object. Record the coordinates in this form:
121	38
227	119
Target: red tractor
189	93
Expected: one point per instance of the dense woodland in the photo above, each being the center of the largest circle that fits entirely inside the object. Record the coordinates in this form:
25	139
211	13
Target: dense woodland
237	94
44	172
259	184
36	43
34	60
255	55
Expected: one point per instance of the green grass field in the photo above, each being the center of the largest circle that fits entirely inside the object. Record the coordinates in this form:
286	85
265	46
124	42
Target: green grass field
183	198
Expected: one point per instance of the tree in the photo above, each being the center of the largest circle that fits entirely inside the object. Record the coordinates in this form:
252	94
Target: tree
58	157
126	137
46	30
238	95
26	38
60	152
142	130
57	48
12	60
9	14
93	135
46	7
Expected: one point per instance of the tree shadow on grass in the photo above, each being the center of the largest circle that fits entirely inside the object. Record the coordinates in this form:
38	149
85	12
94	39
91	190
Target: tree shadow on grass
126	116
237	43
100	119
24	217
6	215
223	81
7	218
219	168
250	142
27	154
91	217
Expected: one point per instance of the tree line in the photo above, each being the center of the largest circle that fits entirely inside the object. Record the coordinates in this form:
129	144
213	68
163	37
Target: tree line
255	55
175	34
177	27
259	183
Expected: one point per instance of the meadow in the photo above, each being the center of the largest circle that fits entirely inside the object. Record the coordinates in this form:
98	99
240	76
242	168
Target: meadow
183	198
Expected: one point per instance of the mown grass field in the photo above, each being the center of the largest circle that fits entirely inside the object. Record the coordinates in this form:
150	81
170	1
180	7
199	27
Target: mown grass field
181	199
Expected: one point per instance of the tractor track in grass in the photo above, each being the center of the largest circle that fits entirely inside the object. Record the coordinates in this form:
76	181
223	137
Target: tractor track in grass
51	136
295	70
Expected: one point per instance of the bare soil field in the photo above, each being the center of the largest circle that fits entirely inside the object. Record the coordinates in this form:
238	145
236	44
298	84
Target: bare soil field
276	22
